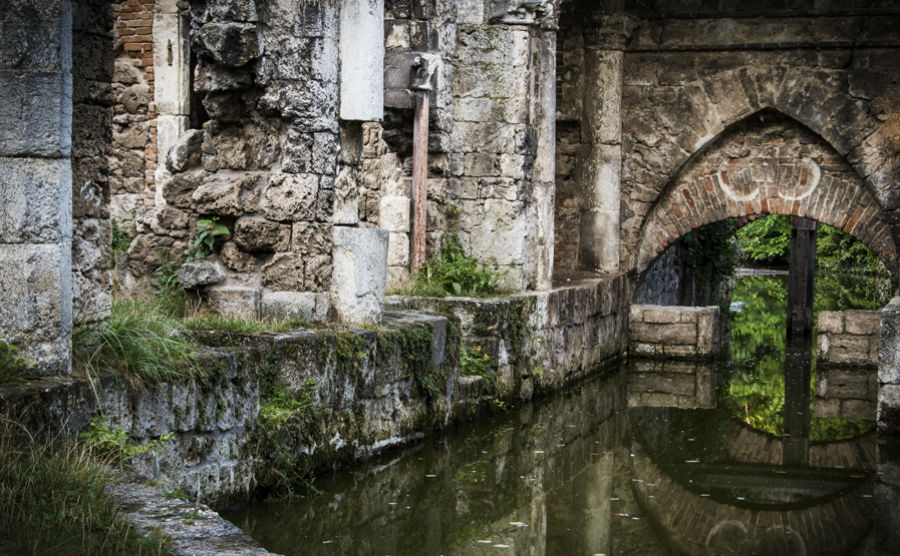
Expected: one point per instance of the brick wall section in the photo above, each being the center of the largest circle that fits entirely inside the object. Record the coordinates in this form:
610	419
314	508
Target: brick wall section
133	159
767	167
673	332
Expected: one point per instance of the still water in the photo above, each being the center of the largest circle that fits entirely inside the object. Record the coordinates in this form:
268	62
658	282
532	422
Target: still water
657	458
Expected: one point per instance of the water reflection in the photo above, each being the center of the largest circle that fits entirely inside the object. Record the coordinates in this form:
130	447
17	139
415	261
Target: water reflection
646	460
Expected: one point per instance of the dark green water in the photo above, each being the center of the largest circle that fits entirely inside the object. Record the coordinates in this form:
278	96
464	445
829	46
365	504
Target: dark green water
653	459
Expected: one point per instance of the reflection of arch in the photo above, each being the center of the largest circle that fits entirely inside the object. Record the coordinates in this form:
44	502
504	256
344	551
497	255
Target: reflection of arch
696	524
733	179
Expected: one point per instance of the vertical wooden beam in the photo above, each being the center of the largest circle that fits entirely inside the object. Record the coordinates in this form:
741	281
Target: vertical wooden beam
802	276
424	68
419	177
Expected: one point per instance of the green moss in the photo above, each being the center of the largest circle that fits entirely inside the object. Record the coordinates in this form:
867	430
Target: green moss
350	351
412	346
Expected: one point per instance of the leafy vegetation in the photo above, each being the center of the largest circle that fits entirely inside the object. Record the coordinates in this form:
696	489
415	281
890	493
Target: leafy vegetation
208	229
52	501
451	272
474	362
767	242
120	240
139	342
286	419
13	367
113	445
754	391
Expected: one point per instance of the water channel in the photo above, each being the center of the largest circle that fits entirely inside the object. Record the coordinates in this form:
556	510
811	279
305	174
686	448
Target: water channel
656	458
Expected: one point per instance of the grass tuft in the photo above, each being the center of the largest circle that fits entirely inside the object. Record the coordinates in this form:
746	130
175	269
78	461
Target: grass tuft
450	271
140	342
242	325
52	501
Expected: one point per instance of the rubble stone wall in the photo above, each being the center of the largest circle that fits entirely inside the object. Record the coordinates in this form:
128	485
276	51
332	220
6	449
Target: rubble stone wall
93	151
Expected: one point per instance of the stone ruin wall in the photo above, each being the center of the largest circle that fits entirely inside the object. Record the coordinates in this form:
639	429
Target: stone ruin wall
686	78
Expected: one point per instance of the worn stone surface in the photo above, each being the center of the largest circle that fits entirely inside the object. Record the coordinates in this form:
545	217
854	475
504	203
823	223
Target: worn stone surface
199	273
359	275
673	331
848	338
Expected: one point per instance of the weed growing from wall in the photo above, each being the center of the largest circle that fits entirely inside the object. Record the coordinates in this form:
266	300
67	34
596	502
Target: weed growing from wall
451	272
13	367
113	445
474	362
139	342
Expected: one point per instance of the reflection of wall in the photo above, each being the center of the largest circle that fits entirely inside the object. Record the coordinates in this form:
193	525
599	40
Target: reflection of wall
681	332
660	383
849	393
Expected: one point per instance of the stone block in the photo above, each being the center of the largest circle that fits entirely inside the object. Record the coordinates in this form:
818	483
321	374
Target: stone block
36	113
291	197
858	409
182	153
36	35
676	333
288	305
848	350
36	200
661	315
234	301
889	351
359	273
200	273
309	238
393	214
398	250
257	234
863	322
37	311
831	322
284	272
232	44
889	408
231	195
362	40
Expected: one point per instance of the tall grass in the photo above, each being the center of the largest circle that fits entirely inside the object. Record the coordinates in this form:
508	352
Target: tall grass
140	342
52	501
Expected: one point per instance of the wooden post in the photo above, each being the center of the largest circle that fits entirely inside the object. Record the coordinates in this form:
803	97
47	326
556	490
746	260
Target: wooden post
802	276
424	65
419	177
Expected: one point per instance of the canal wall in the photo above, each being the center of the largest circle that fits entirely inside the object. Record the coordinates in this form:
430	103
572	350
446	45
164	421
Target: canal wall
268	410
673	332
848	338
889	369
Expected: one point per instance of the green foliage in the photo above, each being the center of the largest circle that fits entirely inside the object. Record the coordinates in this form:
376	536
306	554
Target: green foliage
138	342
474	362
840	252
350	350
13	367
766	241
113	444
451	272
709	253
52	501
208	229
169	295
286	420
754	393
120	240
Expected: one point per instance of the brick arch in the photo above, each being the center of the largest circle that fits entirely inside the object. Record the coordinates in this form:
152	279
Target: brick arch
756	168
705	108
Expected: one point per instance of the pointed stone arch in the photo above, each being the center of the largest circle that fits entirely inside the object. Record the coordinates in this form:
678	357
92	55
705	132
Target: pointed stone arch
697	112
766	164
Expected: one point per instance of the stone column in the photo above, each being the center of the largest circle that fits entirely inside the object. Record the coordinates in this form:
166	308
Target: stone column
171	78
544	174
36	180
600	157
359	274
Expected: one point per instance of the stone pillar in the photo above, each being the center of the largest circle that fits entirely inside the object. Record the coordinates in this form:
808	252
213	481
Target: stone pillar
889	369
36	180
171	78
359	273
600	157
362	59
544	174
